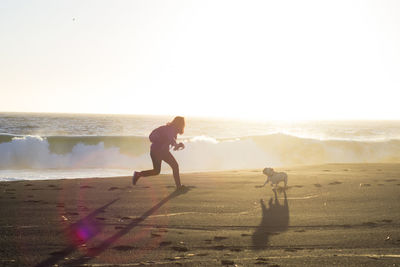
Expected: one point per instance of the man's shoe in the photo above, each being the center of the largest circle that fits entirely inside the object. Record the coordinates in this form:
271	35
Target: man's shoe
181	188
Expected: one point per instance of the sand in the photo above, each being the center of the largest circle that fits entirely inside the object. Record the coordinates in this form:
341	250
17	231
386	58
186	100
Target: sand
335	214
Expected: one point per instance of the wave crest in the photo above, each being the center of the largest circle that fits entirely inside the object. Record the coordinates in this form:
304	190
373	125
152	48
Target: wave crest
202	153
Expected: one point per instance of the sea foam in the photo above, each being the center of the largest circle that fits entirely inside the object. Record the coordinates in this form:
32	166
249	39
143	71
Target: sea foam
202	153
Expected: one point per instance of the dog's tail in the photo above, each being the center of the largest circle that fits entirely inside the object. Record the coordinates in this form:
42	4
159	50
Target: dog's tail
285	179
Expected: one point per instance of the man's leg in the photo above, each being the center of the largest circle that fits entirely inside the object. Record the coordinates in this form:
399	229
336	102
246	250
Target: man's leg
168	158
155	158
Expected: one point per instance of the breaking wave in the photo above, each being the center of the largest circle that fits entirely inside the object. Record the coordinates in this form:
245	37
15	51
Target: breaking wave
202	153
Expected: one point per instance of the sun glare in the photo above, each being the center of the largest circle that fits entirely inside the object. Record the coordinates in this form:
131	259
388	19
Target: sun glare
256	60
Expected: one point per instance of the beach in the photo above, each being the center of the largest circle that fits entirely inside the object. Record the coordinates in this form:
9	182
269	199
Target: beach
211	95
331	214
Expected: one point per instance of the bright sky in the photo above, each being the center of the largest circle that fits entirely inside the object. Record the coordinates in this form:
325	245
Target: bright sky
249	59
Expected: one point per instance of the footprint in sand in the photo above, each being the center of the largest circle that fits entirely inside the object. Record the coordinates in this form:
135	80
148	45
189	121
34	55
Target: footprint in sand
51	185
153	235
233	249
112	188
165	243
293	249
386	221
180	248
86	187
335	183
245	235
28	185
32	201
381	184
326	170
57	253
261	261
370	224
390	180
227	262
172	259
280	189
100	218
124	248
317	185
219	247
219	238
300	231
202	254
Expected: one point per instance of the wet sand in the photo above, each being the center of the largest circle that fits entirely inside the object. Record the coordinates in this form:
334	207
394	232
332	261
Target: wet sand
336	214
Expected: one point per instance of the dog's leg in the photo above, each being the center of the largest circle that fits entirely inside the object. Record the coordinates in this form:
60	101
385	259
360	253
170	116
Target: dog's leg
266	182
276	196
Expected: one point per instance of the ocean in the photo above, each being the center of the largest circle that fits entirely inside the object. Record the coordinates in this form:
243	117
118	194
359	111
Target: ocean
37	146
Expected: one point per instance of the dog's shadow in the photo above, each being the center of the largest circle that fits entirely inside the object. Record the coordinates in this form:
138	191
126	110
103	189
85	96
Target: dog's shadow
275	220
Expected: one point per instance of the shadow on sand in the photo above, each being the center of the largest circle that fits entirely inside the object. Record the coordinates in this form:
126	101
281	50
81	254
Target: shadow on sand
85	229
275	219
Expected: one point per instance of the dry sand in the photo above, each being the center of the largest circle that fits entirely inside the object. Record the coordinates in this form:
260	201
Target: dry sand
336	214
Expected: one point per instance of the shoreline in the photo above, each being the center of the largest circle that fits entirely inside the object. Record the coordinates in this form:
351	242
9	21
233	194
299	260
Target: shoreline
279	168
345	214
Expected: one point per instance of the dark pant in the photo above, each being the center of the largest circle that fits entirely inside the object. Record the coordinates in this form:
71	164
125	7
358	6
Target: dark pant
157	156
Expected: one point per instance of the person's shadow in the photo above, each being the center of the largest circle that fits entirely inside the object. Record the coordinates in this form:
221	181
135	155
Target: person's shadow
275	219
90	232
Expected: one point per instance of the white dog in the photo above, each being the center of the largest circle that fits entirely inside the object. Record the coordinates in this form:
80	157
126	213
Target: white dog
275	177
